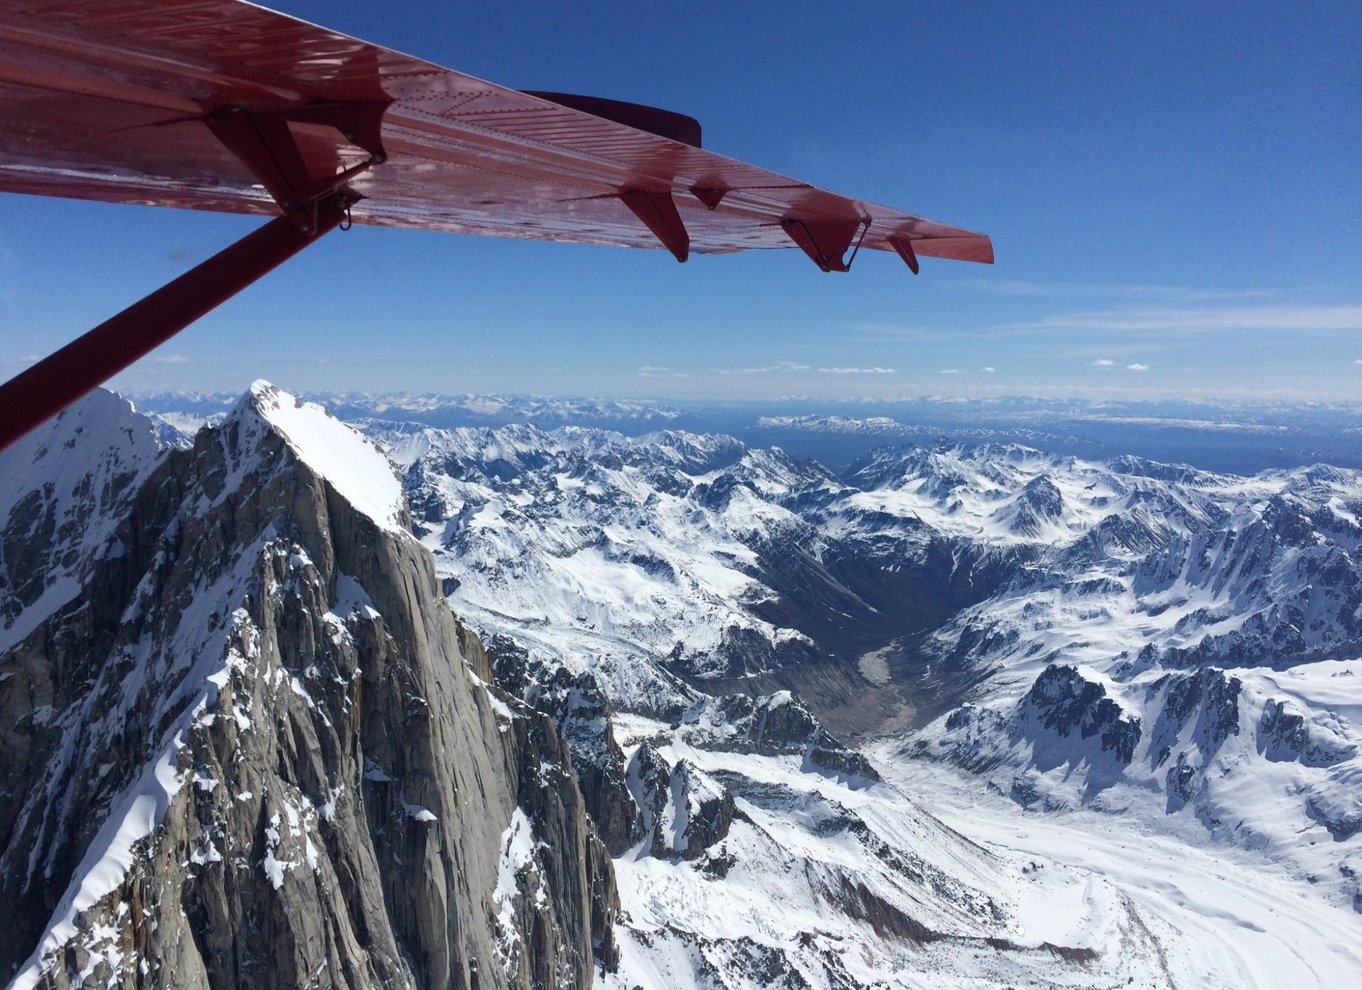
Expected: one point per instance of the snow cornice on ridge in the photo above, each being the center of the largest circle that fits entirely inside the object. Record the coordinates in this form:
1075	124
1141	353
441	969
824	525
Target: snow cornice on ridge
353	465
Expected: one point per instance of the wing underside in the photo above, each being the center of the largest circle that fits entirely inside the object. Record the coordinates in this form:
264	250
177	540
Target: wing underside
222	105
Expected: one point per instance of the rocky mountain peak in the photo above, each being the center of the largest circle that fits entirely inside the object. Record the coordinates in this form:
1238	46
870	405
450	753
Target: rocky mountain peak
352	465
253	748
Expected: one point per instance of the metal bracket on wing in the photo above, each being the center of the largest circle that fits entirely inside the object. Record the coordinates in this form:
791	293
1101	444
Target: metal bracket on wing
904	246
710	195
657	210
826	241
265	144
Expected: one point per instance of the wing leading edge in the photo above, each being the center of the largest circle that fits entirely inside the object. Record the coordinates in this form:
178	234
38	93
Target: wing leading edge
222	105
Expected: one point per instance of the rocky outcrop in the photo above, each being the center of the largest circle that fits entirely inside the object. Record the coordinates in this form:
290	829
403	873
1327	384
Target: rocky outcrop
1282	731
1337	808
772	725
1206	701
650	782
1068	704
253	748
685	809
582	715
1285	732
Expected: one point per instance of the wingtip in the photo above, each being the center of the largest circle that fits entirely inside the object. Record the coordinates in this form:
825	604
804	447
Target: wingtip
974	247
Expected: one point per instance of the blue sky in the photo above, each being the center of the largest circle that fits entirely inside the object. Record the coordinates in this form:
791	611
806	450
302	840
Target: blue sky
1172	190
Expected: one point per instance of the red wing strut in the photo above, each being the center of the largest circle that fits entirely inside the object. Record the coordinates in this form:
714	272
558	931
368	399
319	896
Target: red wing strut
222	105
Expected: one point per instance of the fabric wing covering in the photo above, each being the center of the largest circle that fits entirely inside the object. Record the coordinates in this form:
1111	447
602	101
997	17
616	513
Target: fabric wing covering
222	105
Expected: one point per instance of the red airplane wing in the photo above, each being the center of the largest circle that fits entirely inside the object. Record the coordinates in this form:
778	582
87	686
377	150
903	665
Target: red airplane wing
222	105
109	101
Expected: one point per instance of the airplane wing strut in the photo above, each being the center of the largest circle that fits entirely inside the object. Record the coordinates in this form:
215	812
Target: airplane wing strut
46	388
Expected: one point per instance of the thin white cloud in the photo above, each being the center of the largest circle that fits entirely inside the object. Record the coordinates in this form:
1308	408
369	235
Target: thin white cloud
897	331
856	371
949	371
1358	361
657	371
171	359
1104	363
778	367
988	369
1227	319
1167	293
1137	367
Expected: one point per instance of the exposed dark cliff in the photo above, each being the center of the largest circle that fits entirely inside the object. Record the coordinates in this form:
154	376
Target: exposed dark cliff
1068	704
255	748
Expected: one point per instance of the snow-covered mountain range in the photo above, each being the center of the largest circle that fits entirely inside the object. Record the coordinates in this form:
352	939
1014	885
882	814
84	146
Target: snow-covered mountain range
233	656
1121	634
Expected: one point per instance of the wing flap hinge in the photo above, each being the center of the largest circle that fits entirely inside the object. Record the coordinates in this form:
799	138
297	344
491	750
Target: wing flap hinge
826	241
657	210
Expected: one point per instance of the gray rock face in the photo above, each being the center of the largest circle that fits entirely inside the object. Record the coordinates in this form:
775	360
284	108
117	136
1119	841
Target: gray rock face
254	748
582	715
649	781
1066	703
1207	700
1183	780
1282	733
685	809
706	807
1287	733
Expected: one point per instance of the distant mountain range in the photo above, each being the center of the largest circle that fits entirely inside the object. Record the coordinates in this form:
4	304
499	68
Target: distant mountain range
1240	438
1127	595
